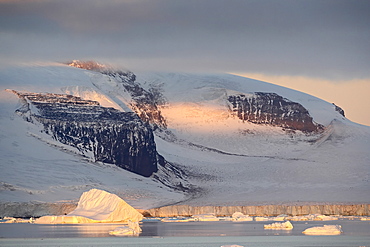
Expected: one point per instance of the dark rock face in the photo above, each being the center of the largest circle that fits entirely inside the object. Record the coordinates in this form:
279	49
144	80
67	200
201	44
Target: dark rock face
115	137
145	103
340	110
272	109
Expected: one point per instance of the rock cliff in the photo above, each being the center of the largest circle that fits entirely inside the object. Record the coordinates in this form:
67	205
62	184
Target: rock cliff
339	109
111	136
272	109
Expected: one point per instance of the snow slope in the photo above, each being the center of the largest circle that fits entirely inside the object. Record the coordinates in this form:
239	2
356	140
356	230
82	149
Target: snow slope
251	163
36	168
229	162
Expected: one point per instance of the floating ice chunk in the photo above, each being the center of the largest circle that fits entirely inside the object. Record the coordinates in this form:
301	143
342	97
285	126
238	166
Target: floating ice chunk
205	217
8	220
176	219
260	218
324	217
16	220
324	230
238	216
132	229
298	218
96	206
278	225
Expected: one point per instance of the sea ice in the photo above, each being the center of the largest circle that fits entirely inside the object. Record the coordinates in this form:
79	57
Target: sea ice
205	217
324	230
177	219
261	218
323	217
15	220
96	206
277	225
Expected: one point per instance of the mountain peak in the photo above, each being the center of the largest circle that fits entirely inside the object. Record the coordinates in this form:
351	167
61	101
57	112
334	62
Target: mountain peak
89	65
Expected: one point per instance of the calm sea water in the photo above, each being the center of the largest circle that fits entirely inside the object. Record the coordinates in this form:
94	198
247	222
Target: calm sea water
197	234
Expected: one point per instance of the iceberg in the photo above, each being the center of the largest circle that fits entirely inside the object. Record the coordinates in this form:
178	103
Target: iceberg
238	216
96	206
324	230
279	225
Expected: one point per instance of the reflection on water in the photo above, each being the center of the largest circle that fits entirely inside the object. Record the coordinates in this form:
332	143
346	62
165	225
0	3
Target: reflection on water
56	231
186	234
175	229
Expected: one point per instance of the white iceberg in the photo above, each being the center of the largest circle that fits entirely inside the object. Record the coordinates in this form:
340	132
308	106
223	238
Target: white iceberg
279	225
324	230
96	206
238	216
132	229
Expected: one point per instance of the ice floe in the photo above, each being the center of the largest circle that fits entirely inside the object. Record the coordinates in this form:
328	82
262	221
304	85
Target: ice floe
324	230
205	217
16	220
261	218
279	225
177	219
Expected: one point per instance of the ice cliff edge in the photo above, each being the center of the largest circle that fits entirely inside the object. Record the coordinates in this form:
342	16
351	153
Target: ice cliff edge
96	206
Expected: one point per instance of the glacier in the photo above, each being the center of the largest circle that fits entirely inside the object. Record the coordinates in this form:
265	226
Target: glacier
208	152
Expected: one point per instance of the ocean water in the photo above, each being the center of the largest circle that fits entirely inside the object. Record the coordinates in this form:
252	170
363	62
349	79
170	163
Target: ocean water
197	234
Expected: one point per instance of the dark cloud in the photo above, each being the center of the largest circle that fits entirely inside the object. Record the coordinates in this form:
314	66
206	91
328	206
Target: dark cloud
313	38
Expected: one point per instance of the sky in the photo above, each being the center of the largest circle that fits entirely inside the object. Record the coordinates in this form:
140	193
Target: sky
318	47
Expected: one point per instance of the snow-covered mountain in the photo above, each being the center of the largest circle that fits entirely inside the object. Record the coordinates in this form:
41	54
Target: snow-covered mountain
163	138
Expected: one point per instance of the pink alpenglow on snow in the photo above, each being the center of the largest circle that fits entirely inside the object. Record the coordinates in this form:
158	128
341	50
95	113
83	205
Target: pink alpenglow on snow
96	206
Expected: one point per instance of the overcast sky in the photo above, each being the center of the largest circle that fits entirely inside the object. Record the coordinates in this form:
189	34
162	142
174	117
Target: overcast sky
323	40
